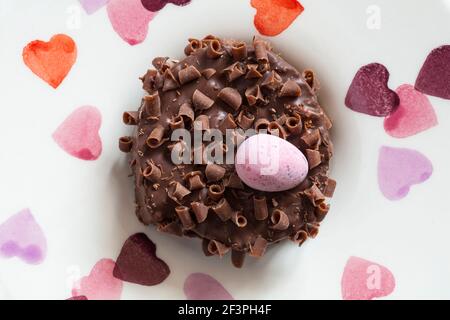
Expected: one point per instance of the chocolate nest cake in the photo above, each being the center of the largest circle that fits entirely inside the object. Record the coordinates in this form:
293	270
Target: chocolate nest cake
228	85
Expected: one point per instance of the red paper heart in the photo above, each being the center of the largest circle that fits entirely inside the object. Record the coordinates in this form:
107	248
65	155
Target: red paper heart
51	61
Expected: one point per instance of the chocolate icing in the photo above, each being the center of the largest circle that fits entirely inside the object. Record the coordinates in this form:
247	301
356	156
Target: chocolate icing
228	84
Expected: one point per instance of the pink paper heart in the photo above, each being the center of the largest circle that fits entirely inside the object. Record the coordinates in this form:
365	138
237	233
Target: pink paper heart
413	115
366	280
399	169
91	6
21	236
129	19
100	284
200	286
78	134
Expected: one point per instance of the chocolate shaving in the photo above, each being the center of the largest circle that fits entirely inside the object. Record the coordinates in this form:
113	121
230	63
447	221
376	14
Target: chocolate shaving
311	139
176	123
261	51
261	124
177	191
314	158
217	248
279	219
329	188
239	219
314	195
321	211
194	180
214	49
254	95
235	71
245	120
260	207
290	89
125	144
188	74
201	101
170	82
214	172
239	51
171	228
152	173
272	81
152	106
193	46
300	237
313	230
159	63
311	80
253	72
209	73
155	139
276	129
185	217
202	122
234	182
258	248
227	123
130	118
205	243
152	81
294	124
200	211
223	210
216	191
231	97
186	111
237	258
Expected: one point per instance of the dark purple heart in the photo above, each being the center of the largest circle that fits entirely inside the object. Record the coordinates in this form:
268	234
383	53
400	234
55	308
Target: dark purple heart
369	92
434	77
138	263
78	298
156	5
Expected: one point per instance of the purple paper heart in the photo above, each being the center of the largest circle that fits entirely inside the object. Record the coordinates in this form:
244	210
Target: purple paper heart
369	92
399	169
434	77
21	236
91	6
200	286
156	5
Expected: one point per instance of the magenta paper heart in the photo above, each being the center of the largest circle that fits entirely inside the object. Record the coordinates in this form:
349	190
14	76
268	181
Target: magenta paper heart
78	134
129	19
100	284
138	263
91	6
365	280
399	169
434	77
200	286
369	92
413	115
156	5
21	236
79	298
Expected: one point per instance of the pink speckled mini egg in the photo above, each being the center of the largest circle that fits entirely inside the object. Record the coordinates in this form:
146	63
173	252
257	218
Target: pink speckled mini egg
268	163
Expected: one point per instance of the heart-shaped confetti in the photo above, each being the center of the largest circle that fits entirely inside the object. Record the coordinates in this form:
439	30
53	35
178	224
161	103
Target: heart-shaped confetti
434	77
21	236
366	280
413	115
274	16
156	5
78	298
91	6
129	19
138	263
399	169
51	61
200	286
100	284
78	134
369	92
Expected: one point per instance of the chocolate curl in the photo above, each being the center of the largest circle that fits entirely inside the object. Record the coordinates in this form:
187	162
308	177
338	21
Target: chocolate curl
314	195
192	46
239	51
171	228
130	118
205	243
279	219
201	101
235	71
329	188
176	123
216	191
159	62
200	211
209	73
290	89
227	123
294	124
231	97
188	74
203	121
223	210
214	49
208	39
186	111
261	51
214	172
277	130
234	182
254	95
170	82
312	139
313	229
260	207
125	144
272	81
311	80
258	248
178	191
194	180
314	158
300	237
152	173
239	219
217	248
152	106
262	124
253	72
321	211
327	122
155	139
245	120
237	258
185	217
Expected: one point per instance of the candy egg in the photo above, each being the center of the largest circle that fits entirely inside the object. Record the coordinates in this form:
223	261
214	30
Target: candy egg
268	163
